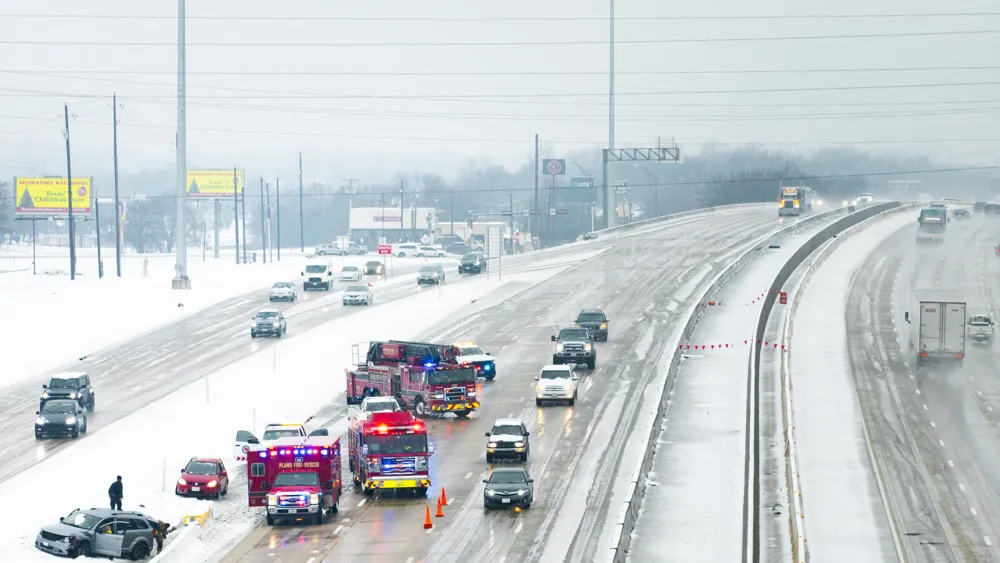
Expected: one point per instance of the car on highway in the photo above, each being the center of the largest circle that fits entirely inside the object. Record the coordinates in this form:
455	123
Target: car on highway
431	273
358	295
283	291
594	320
557	382
407	249
508	439
589	236
318	274
374	404
203	477
865	198
350	273
992	209
979	205
432	252
325	249
74	385
981	327
961	213
472	263
575	346
473	355
60	418
269	322
101	532
508	486
334	249
373	268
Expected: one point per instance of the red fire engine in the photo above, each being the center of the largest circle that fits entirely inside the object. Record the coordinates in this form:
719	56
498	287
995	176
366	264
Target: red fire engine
389	450
297	478
424	378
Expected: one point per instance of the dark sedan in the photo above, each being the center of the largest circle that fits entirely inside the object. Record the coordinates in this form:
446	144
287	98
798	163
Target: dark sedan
509	486
60	418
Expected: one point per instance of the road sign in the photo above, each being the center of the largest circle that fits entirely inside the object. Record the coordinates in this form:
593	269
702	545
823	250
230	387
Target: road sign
554	166
581	182
424	239
562	211
517	237
385	249
621	188
506	213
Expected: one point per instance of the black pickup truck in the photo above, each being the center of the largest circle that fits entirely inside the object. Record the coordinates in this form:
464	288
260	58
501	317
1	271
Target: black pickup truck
596	321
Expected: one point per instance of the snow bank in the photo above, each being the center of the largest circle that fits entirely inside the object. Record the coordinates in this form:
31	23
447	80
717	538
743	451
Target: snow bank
291	381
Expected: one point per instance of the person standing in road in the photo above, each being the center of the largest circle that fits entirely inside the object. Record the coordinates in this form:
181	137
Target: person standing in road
116	494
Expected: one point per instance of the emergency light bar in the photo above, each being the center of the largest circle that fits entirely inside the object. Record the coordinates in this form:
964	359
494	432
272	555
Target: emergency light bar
385	428
296	451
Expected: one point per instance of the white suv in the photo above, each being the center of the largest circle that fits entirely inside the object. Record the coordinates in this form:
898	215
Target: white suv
403	250
556	383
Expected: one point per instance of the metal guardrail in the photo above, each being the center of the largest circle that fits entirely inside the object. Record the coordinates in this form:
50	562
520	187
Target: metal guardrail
672	216
637	486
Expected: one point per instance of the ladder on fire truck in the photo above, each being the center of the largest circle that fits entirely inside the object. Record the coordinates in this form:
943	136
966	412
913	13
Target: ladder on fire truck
436	352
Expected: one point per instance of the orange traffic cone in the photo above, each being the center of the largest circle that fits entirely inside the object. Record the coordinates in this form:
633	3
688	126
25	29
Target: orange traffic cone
440	512
444	497
427	520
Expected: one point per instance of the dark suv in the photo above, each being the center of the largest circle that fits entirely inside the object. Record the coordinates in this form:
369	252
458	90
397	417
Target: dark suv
509	438
60	418
472	263
596	321
99	531
74	386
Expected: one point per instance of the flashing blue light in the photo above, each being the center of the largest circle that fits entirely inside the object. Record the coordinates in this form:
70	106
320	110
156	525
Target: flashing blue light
263	454
325	451
487	367
430	365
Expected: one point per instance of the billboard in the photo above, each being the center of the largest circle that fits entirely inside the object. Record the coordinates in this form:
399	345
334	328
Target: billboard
374	218
49	197
213	183
554	166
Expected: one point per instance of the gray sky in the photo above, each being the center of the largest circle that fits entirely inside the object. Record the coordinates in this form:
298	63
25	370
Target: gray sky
341	133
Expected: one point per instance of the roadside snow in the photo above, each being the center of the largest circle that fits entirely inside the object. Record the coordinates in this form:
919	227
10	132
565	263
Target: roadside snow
202	418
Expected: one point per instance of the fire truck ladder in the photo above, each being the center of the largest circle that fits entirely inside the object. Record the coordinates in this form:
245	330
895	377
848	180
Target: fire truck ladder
437	352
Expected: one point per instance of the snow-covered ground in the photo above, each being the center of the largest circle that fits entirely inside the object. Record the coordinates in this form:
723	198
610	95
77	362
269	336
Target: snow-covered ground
148	447
55	318
840	497
693	508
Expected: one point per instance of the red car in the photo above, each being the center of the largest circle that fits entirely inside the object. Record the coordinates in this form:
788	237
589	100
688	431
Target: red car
203	477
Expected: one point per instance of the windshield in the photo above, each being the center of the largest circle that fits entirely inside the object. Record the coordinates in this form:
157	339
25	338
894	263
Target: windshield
58	383
457	375
283	433
555	374
267	315
506	430
200	468
59	407
397	444
471	351
979	320
507	477
80	520
470	257
296	480
282	285
357	288
428	269
349	269
315	269
574	334
590	318
380	406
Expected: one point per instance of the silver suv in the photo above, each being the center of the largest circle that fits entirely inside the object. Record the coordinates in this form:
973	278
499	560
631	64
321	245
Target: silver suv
99	531
430	274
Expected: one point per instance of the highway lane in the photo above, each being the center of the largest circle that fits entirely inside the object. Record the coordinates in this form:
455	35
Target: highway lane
935	427
644	284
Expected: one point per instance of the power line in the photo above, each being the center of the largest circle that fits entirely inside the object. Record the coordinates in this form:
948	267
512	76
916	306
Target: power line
800	178
510	43
490	98
462	19
462	73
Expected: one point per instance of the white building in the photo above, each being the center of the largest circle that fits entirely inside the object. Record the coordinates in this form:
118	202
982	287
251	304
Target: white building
367	224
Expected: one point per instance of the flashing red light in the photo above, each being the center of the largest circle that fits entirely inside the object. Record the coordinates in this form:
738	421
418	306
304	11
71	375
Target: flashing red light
418	427
383	428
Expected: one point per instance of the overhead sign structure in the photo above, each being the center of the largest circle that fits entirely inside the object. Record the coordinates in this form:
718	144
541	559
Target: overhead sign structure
213	183
554	166
49	197
389	218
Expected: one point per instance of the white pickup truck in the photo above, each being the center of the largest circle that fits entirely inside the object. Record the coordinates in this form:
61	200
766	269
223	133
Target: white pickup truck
370	405
247	442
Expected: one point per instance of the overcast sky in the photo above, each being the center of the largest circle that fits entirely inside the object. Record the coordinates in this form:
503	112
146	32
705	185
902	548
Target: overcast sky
248	107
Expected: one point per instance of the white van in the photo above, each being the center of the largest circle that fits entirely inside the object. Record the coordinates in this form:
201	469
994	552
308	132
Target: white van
318	274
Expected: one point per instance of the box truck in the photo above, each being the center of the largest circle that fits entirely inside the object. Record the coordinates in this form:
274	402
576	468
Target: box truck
941	333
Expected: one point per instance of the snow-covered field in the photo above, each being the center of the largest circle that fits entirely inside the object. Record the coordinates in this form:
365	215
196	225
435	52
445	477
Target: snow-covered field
210	411
840	496
54	318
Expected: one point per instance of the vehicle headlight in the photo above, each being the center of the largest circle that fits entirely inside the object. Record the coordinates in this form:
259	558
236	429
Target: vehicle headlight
40	420
604	326
518	444
253	325
539	388
587	347
181	481
522	491
490	493
212	484
272	500
314	498
438	395
559	347
470	394
421	464
45	395
275	324
71	420
493	444
72	395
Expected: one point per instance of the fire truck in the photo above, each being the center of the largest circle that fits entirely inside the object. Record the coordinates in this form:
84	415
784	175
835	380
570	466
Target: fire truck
425	378
389	450
296	478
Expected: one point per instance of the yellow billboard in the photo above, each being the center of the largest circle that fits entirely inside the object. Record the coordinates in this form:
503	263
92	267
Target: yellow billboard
213	183
49	197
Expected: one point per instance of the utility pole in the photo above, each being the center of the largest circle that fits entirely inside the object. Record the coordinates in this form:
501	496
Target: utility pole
277	203
118	209
451	214
97	229
69	192
181	280
267	198
400	210
534	214
243	216
236	213
350	184
510	206
263	225
608	194
302	213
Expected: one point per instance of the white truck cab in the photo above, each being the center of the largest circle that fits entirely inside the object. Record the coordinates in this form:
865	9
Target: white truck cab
247	442
980	327
556	382
371	405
